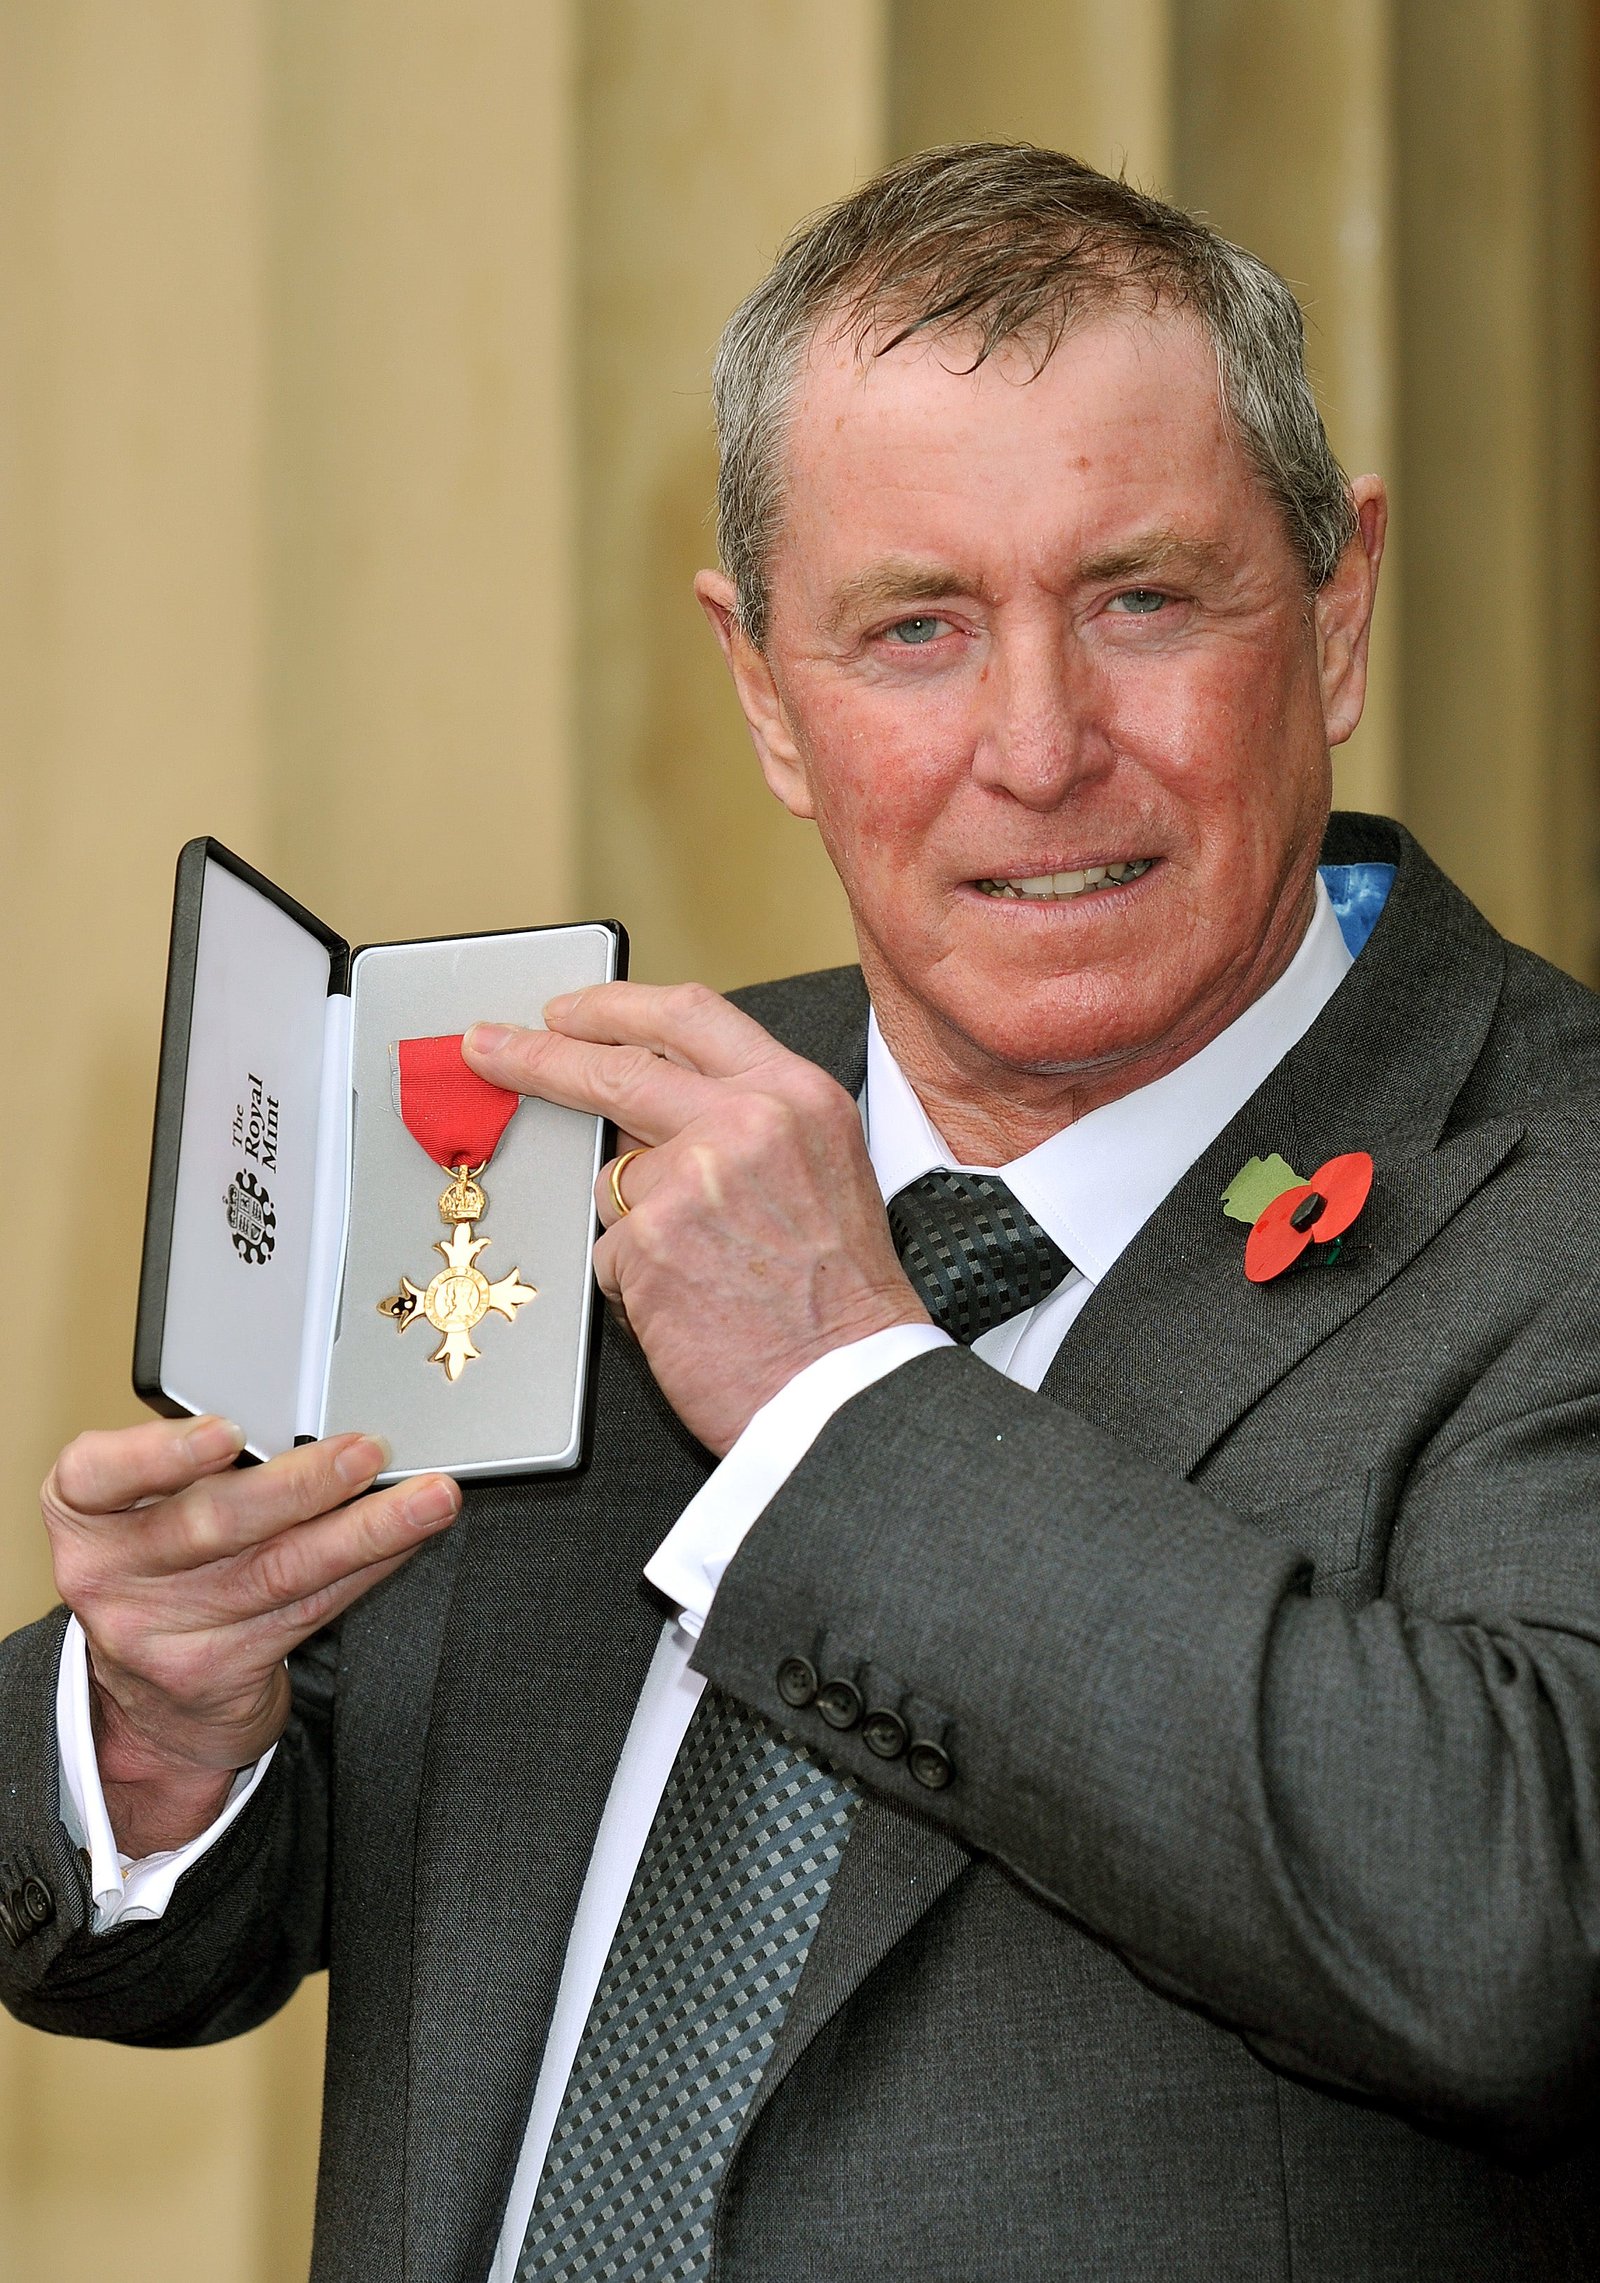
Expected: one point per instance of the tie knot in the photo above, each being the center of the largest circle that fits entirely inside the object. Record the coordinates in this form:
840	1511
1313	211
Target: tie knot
974	1252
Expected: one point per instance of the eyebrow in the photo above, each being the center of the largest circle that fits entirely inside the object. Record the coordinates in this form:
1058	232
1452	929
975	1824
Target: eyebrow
1152	555
886	584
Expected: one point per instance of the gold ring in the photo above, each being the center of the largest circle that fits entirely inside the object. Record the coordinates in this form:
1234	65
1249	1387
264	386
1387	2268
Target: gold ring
617	1171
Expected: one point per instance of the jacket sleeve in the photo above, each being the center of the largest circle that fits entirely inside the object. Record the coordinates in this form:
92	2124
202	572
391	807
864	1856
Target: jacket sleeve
1365	1837
244	1925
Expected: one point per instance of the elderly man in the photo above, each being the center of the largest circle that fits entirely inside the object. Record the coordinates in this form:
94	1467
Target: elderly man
1107	1783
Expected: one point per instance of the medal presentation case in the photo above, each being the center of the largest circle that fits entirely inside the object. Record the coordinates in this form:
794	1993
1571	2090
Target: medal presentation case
346	1228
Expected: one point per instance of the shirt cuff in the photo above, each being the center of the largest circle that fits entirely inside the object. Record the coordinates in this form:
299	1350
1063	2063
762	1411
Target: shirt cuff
123	1889
688	1564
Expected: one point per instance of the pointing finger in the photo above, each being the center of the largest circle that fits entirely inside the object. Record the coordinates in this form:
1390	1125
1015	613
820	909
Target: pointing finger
686	1022
630	1085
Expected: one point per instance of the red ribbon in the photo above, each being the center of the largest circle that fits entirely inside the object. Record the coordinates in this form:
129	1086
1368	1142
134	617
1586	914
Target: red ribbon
457	1116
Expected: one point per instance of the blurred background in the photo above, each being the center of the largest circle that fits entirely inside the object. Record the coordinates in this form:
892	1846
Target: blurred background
355	459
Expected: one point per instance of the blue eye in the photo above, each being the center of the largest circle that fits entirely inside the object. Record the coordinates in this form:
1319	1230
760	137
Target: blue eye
913	632
1140	602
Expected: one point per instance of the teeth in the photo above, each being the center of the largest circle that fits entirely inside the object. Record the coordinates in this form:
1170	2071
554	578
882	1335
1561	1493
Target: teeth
1047	887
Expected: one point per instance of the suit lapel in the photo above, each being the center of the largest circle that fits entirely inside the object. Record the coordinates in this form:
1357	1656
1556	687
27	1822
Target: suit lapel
1176	1344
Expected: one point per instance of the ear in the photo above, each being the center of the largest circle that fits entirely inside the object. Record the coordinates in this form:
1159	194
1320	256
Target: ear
759	700
1343	612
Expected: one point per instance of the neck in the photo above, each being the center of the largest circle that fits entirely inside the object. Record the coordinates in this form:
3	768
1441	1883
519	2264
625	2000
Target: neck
989	1112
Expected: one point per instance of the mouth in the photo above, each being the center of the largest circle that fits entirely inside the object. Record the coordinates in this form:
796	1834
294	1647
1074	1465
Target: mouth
1065	887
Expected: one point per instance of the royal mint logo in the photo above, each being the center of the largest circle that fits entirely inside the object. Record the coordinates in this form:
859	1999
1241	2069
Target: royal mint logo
252	1223
255	1125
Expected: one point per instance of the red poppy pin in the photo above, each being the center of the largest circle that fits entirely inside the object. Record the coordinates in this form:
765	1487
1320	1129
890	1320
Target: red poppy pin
1286	1213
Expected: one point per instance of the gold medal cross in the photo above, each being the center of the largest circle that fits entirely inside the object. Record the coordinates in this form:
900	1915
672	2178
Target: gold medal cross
460	1296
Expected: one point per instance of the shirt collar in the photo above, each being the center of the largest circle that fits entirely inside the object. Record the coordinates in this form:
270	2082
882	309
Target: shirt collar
1095	1184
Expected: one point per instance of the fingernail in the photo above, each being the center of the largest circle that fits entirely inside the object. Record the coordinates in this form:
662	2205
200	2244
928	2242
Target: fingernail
214	1439
488	1038
559	1005
432	1501
361	1460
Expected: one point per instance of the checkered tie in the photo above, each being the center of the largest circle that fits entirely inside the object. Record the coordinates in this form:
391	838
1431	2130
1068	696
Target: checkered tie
974	1252
733	1882
729	1891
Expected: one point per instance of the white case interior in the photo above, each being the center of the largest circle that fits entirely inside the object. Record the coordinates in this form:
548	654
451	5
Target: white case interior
258	1037
301	1197
518	1407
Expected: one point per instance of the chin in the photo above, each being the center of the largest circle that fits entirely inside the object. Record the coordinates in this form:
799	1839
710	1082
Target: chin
1052	1041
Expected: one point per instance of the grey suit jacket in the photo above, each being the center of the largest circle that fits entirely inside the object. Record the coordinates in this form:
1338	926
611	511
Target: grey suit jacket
1256	1934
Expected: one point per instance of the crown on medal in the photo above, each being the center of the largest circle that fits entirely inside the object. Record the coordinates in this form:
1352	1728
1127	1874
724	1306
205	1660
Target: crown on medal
463	1200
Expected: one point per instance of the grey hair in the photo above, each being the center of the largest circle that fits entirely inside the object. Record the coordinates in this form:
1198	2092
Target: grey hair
1003	242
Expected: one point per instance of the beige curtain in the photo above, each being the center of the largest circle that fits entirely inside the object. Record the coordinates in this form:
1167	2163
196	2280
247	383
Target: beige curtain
353	463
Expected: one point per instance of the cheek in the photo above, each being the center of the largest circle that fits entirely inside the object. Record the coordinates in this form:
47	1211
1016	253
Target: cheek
879	784
1196	709
1223	743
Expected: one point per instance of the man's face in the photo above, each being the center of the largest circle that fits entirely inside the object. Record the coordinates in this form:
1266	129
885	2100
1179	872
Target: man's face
1042	665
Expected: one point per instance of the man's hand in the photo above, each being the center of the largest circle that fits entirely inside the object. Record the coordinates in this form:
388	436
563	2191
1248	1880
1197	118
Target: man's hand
193	1580
755	1239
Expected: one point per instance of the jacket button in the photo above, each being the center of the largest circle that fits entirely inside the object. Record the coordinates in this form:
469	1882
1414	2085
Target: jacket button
839	1703
24	1909
885	1733
797	1681
930	1765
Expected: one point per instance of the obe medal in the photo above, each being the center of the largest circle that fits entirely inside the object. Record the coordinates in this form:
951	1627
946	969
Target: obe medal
458	1118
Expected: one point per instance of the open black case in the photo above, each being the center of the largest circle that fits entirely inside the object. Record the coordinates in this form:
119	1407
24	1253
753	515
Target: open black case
287	1198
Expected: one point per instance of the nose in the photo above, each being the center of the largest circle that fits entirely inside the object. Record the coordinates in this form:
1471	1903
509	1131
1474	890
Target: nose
1045	729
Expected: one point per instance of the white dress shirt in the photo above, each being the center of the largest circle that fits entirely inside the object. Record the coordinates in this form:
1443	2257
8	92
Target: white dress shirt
1092	1187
